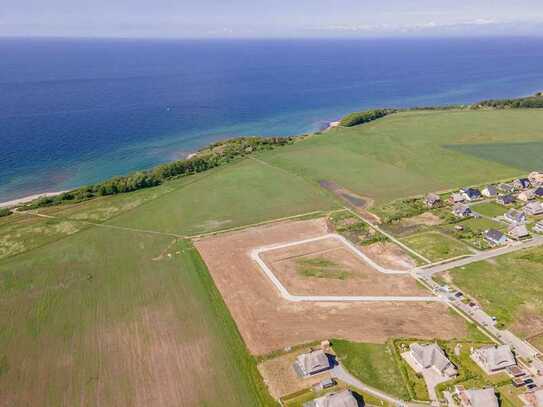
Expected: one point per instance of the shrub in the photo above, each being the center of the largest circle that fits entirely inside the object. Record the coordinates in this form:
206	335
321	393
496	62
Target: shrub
357	118
4	212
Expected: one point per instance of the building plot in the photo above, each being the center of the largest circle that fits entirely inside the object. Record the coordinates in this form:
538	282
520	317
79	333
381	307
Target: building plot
268	322
328	267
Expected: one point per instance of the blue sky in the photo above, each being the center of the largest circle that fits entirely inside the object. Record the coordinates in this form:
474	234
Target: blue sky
269	18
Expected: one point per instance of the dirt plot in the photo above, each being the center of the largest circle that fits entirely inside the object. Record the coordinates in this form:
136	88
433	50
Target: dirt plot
268	322
389	255
347	273
282	380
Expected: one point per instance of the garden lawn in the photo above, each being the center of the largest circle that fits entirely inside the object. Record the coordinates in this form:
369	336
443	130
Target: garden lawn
112	317
373	364
509	288
435	246
490	209
235	195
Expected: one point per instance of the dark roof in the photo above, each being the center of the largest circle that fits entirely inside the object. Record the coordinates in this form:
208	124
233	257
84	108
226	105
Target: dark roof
539	191
506	199
471	192
494	235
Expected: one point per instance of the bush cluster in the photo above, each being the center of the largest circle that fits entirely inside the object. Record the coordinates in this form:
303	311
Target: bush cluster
357	118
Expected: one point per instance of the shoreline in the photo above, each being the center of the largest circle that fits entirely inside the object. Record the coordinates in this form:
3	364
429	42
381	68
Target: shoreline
29	198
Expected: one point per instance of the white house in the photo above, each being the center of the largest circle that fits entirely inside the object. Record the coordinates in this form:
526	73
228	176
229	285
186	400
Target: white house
311	363
431	356
494	359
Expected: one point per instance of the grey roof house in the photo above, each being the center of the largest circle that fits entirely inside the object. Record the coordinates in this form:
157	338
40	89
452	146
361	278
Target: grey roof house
514	216
489	191
505	199
477	397
456	197
494	359
343	398
518	231
495	237
533	208
431	356
538	192
311	363
432	200
461	211
505	188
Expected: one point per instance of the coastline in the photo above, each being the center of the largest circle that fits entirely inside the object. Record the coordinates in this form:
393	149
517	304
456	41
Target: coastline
29	198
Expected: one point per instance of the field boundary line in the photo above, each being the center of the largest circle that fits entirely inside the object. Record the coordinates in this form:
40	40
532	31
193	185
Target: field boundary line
265	222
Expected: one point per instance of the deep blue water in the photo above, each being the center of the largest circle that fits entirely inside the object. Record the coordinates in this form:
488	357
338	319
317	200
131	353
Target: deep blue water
78	111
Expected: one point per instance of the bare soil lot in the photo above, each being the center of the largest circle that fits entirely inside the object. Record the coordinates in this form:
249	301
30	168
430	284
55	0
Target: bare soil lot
282	380
328	267
268	322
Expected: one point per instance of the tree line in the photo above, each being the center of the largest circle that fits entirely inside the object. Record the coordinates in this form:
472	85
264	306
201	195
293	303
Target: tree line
214	155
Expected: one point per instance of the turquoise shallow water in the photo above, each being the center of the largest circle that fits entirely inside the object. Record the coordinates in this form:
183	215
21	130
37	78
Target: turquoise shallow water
78	111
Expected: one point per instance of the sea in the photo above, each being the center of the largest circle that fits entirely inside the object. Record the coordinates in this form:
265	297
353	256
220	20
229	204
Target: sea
78	111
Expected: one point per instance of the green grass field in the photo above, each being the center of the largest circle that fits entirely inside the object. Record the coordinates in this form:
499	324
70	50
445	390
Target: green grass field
100	315
414	152
490	209
510	288
240	194
436	246
373	364
110	317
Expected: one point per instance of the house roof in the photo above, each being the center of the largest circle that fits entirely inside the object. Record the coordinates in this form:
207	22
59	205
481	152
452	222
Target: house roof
457	197
494	235
430	355
538	191
313	361
461	208
517	216
497	357
506	199
524	182
482	397
505	187
343	398
534	207
518	230
432	198
491	190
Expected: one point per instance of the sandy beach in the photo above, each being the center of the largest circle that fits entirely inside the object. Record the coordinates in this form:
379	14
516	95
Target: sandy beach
26	199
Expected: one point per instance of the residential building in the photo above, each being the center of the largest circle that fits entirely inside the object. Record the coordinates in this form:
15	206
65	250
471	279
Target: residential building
526	195
456	197
495	237
344	398
489	191
432	200
538	192
505	188
477	397
462	211
515	216
536	178
431	356
533	208
521	183
494	358
505	199
311	363
471	194
538	227
518	232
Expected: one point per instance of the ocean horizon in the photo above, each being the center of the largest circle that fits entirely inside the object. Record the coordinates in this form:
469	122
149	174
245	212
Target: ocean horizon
78	111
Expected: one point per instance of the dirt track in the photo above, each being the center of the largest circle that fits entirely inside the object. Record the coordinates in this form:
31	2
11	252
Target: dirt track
267	322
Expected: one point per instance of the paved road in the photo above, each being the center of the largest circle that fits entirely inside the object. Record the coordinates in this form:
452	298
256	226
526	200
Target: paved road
255	255
433	269
342	374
